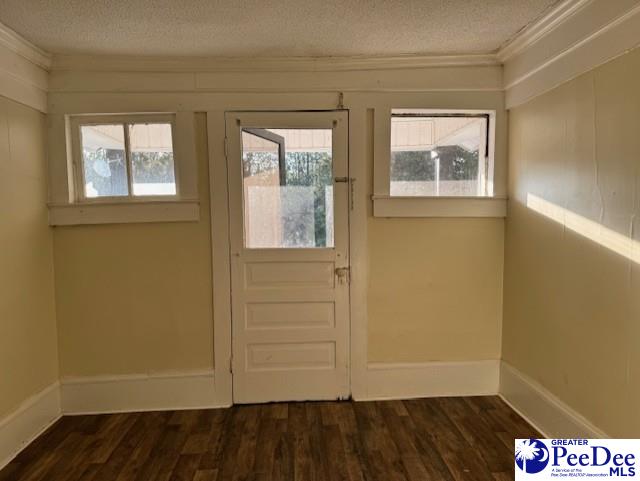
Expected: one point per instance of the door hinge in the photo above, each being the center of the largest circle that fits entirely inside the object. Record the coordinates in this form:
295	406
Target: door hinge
226	147
231	364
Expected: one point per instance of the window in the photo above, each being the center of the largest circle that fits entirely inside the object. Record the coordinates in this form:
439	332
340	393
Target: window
440	154
438	163
114	168
131	158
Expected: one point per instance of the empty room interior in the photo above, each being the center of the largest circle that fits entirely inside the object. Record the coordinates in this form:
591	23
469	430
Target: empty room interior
305	240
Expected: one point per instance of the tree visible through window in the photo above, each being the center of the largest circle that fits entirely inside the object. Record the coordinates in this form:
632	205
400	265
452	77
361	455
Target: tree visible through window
292	208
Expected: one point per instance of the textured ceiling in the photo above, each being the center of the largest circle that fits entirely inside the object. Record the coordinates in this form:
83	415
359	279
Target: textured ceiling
251	28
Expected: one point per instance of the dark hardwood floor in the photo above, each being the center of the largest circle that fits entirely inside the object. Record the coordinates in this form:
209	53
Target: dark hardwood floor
424	439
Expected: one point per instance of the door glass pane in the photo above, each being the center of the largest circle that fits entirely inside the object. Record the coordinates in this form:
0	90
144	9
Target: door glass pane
152	159
288	188
103	161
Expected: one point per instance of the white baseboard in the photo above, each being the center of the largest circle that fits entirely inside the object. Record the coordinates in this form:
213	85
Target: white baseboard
431	379
196	390
26	423
133	393
541	408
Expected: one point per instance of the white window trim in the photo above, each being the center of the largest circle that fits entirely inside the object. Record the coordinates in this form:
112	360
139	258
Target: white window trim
386	205
77	122
439	206
68	204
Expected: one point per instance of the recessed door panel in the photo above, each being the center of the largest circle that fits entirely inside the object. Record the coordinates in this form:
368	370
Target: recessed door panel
290	315
265	275
291	356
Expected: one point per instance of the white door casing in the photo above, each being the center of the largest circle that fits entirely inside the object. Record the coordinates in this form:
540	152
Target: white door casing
290	305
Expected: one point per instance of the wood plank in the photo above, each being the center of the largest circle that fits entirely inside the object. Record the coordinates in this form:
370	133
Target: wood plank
445	439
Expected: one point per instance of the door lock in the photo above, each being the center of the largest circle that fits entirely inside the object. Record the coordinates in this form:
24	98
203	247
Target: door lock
351	181
343	275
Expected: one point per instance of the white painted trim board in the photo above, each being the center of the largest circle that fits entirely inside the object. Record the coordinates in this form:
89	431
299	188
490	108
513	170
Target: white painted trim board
388	206
541	408
124	212
575	37
539	28
133	63
140	392
15	42
196	390
24	76
431	379
30	420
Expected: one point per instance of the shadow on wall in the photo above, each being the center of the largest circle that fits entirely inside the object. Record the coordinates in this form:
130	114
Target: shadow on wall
608	238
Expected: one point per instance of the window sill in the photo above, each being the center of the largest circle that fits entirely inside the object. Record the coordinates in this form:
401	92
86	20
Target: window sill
387	206
124	212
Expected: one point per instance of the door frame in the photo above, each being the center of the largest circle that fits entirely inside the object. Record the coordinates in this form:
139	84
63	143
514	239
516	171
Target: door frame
221	250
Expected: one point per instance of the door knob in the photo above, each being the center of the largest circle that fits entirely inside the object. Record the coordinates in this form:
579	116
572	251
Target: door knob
343	274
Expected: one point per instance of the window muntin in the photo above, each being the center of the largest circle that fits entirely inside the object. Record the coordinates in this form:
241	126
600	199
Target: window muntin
439	155
126	159
287	188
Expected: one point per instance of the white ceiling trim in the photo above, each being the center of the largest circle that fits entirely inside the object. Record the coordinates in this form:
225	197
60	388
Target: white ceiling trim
571	38
587	34
112	63
573	49
541	27
24	77
18	44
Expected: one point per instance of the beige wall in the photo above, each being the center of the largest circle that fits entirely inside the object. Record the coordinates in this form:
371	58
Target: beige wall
435	284
445	302
435	289
28	346
572	304
136	298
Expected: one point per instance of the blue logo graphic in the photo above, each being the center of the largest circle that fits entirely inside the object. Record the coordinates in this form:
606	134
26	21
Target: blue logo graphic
532	456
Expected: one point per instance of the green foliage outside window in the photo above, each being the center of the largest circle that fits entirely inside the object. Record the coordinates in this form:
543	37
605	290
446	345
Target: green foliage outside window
456	163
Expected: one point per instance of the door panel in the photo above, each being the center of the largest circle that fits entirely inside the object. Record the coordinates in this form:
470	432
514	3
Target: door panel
296	275
291	356
283	315
289	234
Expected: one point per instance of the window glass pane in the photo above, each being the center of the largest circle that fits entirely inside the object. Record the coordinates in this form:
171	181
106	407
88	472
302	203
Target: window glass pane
438	156
152	163
103	161
288	188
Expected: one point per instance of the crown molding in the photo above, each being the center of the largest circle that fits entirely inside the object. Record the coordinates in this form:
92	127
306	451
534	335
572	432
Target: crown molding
568	39
20	45
585	35
24	70
118	63
549	21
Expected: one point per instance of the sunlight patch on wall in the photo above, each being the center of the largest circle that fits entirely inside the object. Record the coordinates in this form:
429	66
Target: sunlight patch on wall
612	240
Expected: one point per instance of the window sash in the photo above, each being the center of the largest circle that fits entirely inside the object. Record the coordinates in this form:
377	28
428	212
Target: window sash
484	181
77	122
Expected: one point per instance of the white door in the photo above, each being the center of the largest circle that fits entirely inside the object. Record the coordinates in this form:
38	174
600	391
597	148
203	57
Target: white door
289	221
